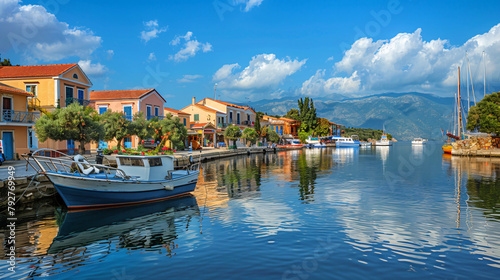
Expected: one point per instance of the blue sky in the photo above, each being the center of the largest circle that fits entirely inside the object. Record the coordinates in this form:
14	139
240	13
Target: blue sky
258	49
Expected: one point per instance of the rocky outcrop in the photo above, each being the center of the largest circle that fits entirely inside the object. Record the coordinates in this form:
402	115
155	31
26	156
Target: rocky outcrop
477	143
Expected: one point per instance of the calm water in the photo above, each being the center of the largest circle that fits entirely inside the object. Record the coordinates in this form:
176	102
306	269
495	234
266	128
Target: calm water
380	213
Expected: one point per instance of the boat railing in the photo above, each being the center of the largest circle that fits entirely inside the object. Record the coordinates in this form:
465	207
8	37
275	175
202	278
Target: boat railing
61	162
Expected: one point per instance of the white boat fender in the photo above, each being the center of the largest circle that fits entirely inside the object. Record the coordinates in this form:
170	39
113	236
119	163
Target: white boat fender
169	188
82	163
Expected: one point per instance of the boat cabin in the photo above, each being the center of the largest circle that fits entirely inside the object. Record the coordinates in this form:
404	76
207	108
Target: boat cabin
147	168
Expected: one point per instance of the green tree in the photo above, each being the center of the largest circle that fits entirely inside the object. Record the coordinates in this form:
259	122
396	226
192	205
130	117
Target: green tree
115	127
293	114
232	133
75	122
169	129
307	115
322	127
303	137
5	62
273	136
141	127
250	135
258	116
485	115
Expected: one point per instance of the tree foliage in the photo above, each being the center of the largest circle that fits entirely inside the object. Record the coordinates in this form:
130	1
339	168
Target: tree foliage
258	116
323	127
141	127
232	133
307	115
303	137
5	62
75	122
273	136
169	129
293	114
364	133
250	135
115	126
485	115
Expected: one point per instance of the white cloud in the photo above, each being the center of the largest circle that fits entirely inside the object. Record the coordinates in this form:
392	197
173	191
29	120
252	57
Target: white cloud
407	62
110	53
32	30
249	4
152	30
330	58
93	69
263	75
190	47
152	57
318	86
189	78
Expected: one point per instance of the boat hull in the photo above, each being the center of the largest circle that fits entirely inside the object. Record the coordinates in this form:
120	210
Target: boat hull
81	194
447	149
383	143
344	144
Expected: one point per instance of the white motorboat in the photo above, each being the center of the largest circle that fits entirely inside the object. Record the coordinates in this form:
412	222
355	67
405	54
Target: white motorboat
418	141
137	179
384	141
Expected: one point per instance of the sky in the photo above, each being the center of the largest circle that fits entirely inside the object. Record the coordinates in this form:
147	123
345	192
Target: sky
261	49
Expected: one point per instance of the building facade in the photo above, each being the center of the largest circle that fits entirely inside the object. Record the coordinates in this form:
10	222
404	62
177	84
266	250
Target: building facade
16	123
129	102
52	86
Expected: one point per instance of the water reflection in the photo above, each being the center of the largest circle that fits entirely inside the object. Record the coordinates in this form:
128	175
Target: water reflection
346	155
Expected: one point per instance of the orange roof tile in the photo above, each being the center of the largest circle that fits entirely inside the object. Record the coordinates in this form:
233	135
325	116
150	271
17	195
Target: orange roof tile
118	94
175	111
34	70
199	125
229	104
8	89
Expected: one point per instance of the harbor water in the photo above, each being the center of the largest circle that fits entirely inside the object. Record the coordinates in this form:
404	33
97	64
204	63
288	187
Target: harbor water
348	213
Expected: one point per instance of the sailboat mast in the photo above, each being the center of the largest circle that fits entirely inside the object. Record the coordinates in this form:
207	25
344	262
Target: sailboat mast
459	107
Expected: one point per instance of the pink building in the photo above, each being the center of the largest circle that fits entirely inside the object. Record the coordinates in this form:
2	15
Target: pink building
148	101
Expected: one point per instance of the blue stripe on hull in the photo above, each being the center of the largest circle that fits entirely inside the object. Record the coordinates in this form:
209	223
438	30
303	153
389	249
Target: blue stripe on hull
75	198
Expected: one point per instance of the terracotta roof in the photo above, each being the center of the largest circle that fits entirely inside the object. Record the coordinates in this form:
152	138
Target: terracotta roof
229	104
34	70
203	107
199	125
175	111
8	89
118	94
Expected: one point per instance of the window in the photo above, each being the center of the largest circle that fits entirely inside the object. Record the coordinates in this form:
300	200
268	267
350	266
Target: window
196	117
102	109
131	161
31	88
184	119
154	162
248	119
148	112
231	117
75	76
238	118
81	94
69	95
127	111
157	111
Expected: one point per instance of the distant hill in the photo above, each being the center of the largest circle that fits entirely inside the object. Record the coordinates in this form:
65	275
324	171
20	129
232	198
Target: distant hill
404	115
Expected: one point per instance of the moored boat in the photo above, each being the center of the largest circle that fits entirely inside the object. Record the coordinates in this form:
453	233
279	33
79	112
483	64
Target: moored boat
138	179
346	142
447	148
365	144
384	141
418	141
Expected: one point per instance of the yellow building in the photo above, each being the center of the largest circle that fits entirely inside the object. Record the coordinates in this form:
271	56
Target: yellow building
15	121
183	116
51	86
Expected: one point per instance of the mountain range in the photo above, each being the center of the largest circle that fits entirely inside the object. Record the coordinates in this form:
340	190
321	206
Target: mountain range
403	115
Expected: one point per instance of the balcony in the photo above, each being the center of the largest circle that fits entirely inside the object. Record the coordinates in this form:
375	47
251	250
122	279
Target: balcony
222	125
12	116
82	102
33	103
151	117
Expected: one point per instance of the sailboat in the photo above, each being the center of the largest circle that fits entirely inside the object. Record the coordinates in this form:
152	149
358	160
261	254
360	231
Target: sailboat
447	148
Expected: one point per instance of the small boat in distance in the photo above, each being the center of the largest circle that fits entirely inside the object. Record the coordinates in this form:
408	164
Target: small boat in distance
384	141
418	141
346	142
293	144
314	142
365	144
138	179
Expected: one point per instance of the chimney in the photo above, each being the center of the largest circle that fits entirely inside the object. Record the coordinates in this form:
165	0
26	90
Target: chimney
194	98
